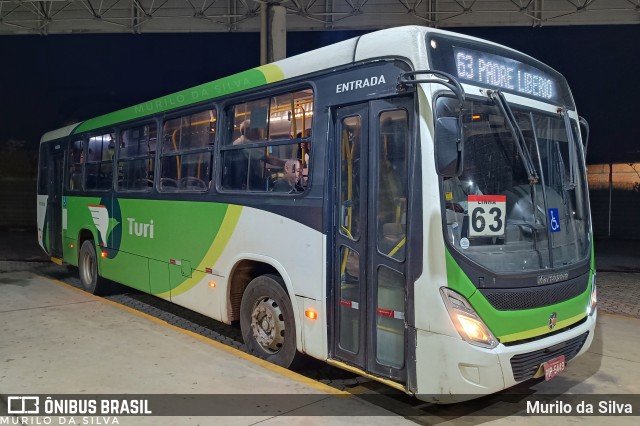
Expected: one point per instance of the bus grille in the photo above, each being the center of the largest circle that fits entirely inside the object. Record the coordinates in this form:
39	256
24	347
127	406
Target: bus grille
513	299
524	366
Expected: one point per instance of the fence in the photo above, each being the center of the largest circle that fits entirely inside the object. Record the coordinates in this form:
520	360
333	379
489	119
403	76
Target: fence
614	192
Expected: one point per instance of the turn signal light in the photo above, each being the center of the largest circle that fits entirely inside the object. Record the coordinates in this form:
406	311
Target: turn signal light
212	284
311	314
103	254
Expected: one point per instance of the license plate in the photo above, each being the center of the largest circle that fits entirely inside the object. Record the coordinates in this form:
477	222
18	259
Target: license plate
553	367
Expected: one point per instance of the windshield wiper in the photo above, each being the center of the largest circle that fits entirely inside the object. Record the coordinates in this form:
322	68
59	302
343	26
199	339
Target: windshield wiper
498	98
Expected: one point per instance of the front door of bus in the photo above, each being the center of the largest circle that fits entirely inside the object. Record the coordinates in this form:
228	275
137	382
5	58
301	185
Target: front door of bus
370	223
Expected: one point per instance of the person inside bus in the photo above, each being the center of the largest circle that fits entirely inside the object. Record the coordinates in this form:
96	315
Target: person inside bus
292	178
304	153
250	167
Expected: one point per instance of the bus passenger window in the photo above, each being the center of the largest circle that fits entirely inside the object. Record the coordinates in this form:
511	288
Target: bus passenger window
185	161
136	158
99	162
266	136
76	159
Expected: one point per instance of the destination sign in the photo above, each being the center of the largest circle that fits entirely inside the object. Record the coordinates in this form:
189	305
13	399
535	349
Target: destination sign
505	73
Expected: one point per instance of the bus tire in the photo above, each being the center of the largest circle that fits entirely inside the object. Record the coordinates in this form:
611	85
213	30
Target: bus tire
88	268
267	322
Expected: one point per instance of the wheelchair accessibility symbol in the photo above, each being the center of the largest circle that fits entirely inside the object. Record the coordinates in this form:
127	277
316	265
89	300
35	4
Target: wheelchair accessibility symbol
554	220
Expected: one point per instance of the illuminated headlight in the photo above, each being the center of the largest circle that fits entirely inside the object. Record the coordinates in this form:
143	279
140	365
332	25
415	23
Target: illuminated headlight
593	301
468	323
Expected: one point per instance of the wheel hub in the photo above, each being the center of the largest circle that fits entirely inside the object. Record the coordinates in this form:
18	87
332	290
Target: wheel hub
267	325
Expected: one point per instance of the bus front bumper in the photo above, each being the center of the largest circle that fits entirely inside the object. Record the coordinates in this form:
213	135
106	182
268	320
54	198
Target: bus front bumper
451	370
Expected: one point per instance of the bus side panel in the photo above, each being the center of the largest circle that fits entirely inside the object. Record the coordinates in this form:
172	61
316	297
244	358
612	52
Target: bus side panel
126	268
293	249
79	217
159	277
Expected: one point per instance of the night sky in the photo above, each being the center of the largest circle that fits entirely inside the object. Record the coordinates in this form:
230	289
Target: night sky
47	82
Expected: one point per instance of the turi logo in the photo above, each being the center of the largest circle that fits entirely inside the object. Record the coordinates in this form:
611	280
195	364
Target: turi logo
140	229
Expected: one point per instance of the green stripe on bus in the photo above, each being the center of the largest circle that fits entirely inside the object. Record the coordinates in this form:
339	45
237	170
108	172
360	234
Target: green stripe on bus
207	91
219	243
523	323
272	72
540	330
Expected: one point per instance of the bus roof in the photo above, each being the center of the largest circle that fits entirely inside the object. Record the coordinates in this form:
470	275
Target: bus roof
58	133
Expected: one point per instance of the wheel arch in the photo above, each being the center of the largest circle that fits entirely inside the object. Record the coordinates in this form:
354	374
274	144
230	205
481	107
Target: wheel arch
83	235
245	269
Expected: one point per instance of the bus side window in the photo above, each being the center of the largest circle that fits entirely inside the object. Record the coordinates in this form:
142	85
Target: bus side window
76	160
266	135
99	162
136	158
187	145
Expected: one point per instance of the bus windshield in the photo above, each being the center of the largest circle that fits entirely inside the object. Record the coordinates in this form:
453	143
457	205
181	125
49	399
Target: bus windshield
521	202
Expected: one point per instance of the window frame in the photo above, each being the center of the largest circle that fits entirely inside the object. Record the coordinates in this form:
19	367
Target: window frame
87	138
227	136
118	158
67	177
210	149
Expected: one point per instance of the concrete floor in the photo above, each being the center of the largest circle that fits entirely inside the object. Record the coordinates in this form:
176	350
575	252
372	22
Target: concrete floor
56	339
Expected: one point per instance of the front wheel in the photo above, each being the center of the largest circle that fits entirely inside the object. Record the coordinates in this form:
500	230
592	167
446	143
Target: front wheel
267	322
88	268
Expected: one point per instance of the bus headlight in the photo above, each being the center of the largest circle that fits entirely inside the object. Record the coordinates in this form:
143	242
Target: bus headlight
593	300
468	323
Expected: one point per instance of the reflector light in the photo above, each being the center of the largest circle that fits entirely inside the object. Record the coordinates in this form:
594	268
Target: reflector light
71	245
103	254
311	314
212	284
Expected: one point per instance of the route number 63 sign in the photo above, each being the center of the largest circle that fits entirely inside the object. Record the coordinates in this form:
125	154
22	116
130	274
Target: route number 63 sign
486	215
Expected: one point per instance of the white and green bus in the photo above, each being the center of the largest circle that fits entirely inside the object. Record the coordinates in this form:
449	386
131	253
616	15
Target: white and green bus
410	205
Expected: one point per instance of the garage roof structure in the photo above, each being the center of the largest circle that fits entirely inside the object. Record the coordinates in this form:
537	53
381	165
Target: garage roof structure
146	16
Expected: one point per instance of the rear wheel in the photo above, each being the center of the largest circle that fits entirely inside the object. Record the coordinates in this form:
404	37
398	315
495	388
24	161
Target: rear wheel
267	322
88	268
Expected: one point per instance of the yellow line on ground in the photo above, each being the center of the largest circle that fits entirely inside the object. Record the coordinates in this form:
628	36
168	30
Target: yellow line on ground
275	368
360	372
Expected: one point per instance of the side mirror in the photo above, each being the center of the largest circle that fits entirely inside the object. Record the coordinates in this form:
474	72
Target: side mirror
585	135
448	146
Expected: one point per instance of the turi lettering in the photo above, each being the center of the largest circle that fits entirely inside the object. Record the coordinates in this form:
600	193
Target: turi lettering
140	229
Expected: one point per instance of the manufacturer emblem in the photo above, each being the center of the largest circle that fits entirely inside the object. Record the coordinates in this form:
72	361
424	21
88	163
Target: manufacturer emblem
553	319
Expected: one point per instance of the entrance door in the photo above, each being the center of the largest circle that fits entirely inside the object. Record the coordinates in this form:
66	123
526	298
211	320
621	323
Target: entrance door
370	223
54	204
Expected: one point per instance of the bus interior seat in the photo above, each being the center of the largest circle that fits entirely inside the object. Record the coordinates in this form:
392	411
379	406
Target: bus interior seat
168	184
